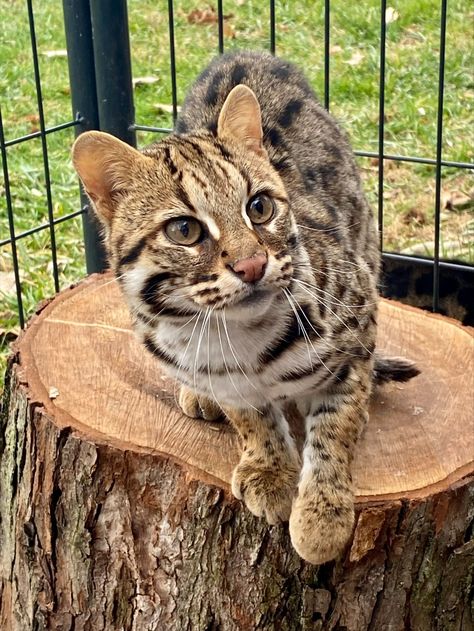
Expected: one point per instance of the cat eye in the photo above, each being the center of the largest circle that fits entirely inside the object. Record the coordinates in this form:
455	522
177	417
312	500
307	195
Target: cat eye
184	230
260	209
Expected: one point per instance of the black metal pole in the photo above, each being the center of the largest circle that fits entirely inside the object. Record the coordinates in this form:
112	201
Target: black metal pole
272	27
383	43
77	22
327	52
439	154
174	93
113	68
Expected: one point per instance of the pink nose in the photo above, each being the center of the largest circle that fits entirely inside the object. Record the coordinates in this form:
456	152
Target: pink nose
252	269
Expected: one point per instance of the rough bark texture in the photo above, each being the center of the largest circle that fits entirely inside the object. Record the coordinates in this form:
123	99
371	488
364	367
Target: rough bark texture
100	539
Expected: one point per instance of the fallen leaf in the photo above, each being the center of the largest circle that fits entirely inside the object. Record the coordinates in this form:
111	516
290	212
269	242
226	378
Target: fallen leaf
421	111
415	215
33	120
206	16
391	15
144	81
356	58
55	53
229	30
456	200
335	49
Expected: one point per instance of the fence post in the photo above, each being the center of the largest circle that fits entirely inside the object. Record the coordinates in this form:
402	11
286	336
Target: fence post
77	24
113	70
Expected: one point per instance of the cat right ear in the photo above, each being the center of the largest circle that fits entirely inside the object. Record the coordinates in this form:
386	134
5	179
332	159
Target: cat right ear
241	120
104	163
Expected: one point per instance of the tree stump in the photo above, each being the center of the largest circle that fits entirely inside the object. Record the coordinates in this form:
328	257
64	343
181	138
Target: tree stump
116	511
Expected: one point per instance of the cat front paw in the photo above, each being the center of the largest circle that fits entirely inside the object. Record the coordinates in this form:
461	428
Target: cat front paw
198	407
267	490
321	525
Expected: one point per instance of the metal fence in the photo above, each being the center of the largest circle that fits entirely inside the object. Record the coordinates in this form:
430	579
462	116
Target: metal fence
98	48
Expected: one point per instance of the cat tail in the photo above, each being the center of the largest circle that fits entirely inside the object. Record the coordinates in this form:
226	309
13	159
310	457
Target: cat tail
393	369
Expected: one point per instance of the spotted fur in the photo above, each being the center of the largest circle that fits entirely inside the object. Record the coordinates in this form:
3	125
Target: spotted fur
305	332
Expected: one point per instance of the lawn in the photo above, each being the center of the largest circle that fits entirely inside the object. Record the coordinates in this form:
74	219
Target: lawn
410	112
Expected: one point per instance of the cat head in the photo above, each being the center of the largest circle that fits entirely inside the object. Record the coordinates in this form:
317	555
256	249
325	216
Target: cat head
196	220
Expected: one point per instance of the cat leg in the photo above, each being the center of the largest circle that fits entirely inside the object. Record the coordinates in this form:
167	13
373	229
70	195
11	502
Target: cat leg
267	474
322	516
198	407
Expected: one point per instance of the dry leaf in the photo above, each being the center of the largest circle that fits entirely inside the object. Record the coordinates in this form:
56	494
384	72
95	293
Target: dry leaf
356	58
55	53
229	30
33	120
391	15
144	81
415	215
335	49
456	200
206	16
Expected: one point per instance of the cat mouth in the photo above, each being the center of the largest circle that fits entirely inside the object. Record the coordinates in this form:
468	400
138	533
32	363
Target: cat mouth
257	295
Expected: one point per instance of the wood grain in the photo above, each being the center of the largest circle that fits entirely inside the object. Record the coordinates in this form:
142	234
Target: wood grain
420	435
115	510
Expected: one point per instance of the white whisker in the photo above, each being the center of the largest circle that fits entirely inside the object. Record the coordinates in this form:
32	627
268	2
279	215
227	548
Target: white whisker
227	368
233	353
181	362
208	356
319	300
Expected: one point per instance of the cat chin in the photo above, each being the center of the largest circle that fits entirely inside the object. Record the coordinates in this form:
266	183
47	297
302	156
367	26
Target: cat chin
254	306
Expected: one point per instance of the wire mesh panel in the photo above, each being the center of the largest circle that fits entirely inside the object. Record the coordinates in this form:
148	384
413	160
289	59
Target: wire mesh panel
381	70
41	245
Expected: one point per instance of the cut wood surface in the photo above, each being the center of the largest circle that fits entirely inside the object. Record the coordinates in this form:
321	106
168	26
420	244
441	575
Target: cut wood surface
112	495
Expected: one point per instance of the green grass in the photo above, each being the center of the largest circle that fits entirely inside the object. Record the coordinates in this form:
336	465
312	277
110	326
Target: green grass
410	126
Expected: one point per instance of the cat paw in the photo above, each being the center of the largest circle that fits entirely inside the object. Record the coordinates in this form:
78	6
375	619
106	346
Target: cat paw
267	491
319	529
198	407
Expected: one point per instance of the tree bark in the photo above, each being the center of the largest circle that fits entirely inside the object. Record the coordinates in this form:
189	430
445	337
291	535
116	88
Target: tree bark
100	533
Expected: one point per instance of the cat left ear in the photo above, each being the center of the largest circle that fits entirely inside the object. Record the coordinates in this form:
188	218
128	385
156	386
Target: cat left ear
241	120
104	164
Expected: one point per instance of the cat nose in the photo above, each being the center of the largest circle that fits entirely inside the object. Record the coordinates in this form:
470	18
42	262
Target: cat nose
250	269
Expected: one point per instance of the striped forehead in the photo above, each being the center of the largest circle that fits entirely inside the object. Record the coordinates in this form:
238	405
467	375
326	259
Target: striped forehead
211	194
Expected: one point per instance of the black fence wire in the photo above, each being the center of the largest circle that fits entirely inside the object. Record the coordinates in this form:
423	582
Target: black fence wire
99	61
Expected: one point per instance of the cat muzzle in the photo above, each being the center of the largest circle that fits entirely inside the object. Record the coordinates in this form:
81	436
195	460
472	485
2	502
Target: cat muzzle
251	269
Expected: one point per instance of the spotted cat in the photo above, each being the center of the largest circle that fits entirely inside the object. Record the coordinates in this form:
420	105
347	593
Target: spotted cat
248	255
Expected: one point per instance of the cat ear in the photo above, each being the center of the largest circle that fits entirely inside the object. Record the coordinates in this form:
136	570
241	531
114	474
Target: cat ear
240	119
104	163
